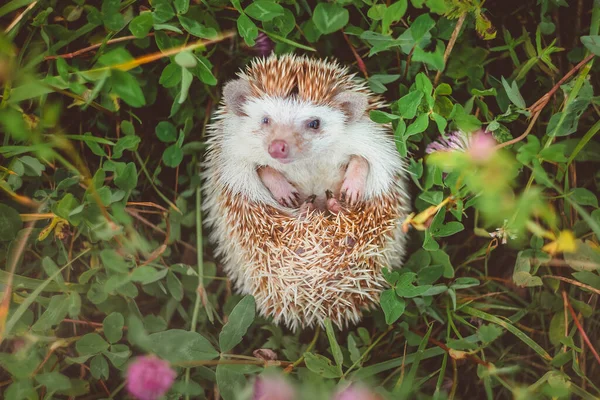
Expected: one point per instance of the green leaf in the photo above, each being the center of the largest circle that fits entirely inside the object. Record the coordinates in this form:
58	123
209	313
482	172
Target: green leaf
589	278
512	91
10	223
321	365
177	346
418	126
175	287
204	71
509	327
140	26
442	258
74	305
54	381
392	305
330	17
420	26
562	123
405	288
54	314
555	152
22	389
335	347
230	381
247	29
170	76
172	156
464	121
264	10
186	59
182	6
394	13
377	82
146	274
125	143
409	103
440	122
238	323
586	258
162	11
186	82
91	344
443	89
196	28
464	282
113	327
435	58
584	197
114	261
127	88
113	20
381	117
592	43
99	367
448	229
166	132
353	349
66	205
126	179
377	11
556	331
32	166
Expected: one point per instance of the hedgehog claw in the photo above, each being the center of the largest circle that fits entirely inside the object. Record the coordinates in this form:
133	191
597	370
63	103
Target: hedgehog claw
333	205
308	205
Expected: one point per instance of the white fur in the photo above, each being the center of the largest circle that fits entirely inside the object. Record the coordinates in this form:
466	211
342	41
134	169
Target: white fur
318	169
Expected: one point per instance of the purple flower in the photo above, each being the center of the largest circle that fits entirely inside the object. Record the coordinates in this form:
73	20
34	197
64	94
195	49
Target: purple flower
480	145
149	378
355	392
273	388
264	45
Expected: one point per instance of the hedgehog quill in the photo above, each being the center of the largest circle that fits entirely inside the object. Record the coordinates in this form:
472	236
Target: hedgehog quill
304	194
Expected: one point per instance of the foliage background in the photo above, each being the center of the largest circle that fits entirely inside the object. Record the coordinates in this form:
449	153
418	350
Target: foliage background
103	125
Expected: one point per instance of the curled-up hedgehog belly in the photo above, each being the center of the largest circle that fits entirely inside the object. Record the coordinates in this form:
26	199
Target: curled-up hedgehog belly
326	264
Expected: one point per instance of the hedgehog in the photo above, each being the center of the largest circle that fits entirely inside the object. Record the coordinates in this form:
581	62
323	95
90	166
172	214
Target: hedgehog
304	195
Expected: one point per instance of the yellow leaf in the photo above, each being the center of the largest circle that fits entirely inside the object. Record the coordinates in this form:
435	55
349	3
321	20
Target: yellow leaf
58	223
457	354
422	220
564	244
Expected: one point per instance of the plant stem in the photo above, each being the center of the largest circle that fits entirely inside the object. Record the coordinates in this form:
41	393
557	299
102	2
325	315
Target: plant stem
451	43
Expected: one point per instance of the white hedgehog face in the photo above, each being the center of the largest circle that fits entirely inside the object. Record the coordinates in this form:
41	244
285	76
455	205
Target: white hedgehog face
289	129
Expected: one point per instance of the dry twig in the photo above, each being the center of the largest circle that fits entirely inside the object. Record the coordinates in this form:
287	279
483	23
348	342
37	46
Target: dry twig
539	105
584	335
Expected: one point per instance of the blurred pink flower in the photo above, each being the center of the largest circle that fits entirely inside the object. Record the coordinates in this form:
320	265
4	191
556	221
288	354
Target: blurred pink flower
355	392
273	388
480	145
264	45
149	378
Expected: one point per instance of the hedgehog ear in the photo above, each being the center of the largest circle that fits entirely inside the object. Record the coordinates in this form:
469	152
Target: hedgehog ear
353	104
236	93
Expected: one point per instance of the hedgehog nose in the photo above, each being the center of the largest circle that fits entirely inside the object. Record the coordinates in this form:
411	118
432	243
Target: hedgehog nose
279	149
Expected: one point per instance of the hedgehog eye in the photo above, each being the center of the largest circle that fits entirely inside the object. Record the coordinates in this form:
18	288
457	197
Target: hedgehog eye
314	124
265	121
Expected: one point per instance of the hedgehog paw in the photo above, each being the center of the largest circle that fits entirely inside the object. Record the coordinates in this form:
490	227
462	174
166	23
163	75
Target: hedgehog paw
333	205
351	192
284	192
355	180
288	197
308	206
